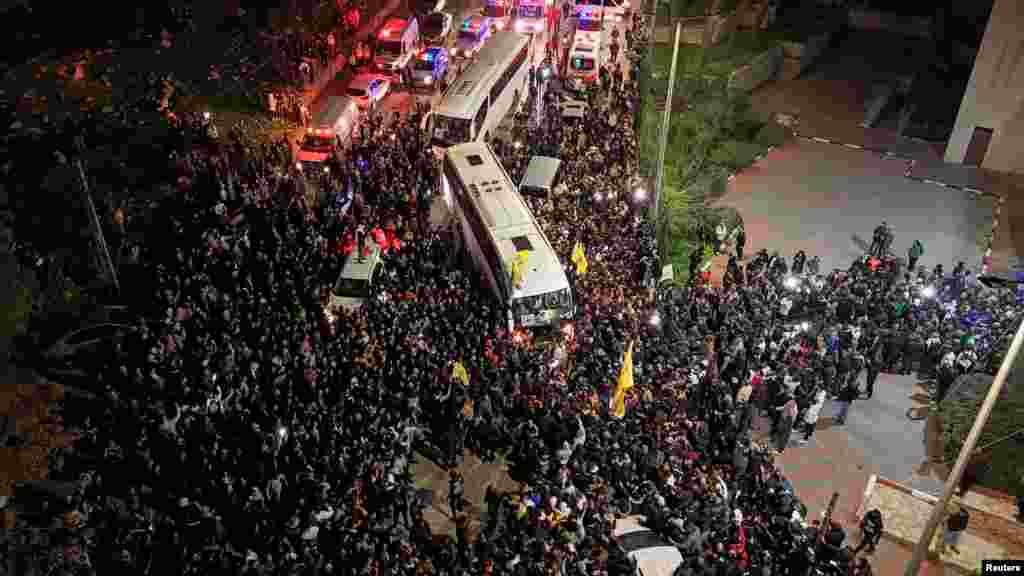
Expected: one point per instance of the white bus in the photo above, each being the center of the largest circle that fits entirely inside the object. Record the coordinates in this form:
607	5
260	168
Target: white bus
496	225
479	99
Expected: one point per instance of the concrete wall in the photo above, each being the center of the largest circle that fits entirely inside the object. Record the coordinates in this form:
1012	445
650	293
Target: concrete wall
994	97
764	68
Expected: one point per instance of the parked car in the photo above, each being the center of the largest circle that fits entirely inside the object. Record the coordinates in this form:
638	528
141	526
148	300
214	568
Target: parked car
367	90
436	28
430	69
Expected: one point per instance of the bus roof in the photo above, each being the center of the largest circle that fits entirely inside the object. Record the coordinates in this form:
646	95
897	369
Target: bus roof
463	98
507	216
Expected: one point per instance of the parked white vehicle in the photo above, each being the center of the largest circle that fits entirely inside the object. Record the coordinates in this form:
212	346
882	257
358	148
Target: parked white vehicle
367	90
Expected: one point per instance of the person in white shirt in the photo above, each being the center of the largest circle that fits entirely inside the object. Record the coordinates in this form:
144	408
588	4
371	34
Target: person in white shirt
811	416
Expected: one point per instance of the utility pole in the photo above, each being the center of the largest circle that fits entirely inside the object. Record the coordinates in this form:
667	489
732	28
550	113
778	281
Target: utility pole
97	228
663	133
939	511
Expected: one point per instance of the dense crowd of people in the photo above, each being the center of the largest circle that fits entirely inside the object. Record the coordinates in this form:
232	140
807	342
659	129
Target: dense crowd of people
246	430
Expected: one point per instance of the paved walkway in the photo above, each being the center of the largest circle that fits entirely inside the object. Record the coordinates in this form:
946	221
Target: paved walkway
432	482
989	535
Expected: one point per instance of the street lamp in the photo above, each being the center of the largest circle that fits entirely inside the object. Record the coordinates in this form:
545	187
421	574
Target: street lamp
640	194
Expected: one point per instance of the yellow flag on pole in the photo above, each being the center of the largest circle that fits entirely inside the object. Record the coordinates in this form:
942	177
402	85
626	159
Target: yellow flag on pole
579	258
618	401
459	373
519	264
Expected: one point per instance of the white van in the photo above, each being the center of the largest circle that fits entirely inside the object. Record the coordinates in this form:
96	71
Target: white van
397	43
356	279
332	125
584	60
542	177
654	556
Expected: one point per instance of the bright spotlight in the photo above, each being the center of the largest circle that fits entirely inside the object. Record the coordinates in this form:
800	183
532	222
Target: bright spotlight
298	166
655	319
640	194
805	326
517	144
282	431
928	292
327	169
206	116
791	282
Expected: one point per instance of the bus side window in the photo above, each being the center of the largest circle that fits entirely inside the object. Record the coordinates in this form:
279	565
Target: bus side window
478	122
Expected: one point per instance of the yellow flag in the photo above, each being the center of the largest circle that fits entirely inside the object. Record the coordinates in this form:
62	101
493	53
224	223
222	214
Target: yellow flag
460	374
579	258
519	266
618	401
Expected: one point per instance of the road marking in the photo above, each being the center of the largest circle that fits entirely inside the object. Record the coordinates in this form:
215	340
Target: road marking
854	146
822	140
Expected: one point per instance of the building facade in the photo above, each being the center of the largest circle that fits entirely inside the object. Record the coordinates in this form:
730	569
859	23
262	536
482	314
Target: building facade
989	129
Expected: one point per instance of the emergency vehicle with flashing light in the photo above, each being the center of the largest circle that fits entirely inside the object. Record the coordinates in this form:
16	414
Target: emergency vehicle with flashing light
397	43
430	69
473	33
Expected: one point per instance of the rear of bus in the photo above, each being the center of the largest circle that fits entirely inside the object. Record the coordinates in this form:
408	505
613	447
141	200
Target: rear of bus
530	17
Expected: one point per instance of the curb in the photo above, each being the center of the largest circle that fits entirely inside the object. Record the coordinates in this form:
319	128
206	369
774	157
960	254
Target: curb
908	174
757	159
986	259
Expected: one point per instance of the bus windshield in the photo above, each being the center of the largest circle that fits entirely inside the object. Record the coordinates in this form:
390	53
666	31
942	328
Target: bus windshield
527	11
451	130
553	304
352	288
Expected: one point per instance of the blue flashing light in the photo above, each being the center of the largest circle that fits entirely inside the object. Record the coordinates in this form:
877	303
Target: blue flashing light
427	56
